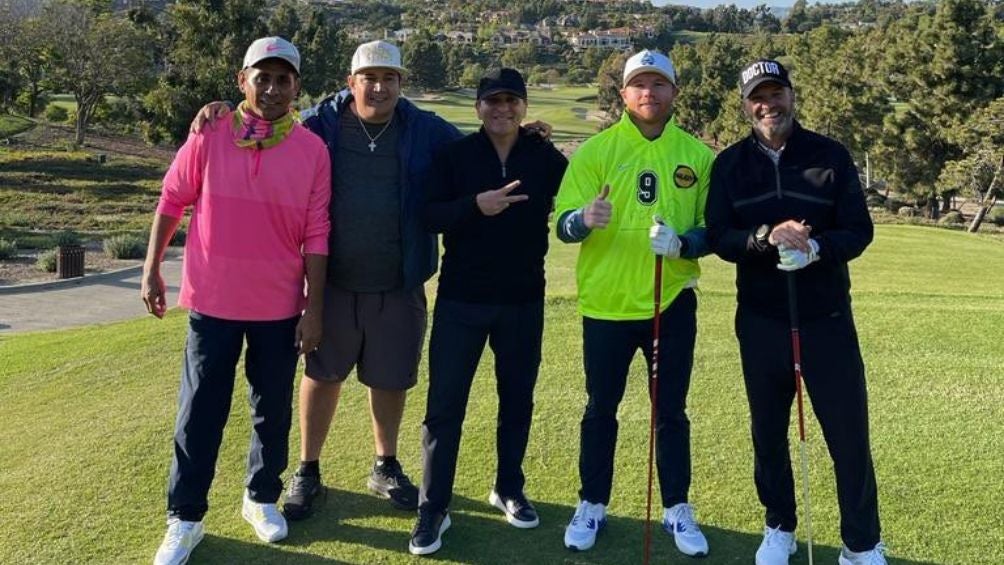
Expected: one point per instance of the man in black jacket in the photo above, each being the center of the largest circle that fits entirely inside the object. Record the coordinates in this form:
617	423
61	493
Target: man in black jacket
489	194
787	202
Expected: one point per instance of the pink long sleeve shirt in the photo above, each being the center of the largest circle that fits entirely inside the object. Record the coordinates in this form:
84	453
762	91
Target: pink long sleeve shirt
256	213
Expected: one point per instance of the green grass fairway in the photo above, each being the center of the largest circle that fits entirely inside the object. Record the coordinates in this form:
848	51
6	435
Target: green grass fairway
565	108
87	418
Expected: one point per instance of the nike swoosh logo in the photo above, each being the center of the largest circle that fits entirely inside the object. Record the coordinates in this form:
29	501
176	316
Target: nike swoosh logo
622	167
271	48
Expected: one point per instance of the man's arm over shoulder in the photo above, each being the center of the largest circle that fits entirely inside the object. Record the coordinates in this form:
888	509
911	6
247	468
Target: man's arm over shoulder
853	229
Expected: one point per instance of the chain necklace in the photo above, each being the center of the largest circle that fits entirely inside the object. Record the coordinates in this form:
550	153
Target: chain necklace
373	138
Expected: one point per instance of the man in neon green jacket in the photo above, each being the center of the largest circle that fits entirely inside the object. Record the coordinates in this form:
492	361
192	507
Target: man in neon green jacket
636	188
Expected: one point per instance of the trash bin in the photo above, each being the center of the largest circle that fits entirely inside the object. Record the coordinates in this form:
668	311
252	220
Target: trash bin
70	261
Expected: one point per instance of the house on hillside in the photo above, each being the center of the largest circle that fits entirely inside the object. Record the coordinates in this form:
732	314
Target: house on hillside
619	38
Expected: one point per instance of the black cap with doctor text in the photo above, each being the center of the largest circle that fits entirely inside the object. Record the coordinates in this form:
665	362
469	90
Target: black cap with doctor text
759	72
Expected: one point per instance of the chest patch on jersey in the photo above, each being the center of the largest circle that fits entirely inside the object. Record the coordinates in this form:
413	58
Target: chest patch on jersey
684	177
648	188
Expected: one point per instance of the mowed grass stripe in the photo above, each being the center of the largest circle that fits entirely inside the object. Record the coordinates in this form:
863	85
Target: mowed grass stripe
88	416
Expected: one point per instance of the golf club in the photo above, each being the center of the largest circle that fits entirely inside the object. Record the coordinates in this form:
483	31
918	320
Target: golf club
796	352
653	397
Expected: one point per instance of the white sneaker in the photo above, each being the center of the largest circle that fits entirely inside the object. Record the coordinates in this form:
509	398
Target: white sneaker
589	519
875	556
679	521
777	546
269	524
179	541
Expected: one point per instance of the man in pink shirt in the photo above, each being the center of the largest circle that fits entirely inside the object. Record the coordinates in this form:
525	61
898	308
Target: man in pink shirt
259	190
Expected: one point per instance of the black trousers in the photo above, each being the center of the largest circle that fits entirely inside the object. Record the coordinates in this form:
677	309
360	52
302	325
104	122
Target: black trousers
207	385
609	347
835	382
459	333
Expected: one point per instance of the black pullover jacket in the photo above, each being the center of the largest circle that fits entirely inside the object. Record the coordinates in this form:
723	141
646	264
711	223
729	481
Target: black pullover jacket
816	182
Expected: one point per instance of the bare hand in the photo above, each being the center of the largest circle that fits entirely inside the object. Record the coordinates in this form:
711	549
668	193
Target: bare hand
153	292
791	234
308	332
209	114
597	214
543	129
492	202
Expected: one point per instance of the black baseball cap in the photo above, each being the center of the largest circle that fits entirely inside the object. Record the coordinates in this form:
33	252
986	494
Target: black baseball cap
759	72
502	80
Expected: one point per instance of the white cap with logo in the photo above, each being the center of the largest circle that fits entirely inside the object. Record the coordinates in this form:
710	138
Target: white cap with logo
649	62
377	54
269	48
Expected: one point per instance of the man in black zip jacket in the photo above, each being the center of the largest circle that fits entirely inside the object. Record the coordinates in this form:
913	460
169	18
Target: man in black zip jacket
787	202
490	195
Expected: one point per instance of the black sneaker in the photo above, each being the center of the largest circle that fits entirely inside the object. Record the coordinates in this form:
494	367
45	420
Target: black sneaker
389	481
518	510
303	491
427	535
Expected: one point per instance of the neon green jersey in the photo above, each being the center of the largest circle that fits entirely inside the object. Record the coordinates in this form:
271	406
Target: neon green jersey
668	176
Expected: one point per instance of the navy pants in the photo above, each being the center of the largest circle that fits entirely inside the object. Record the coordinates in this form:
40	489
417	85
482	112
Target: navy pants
459	333
609	347
835	382
212	350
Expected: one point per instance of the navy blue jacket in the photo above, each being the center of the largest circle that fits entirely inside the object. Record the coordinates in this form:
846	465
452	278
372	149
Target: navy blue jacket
422	135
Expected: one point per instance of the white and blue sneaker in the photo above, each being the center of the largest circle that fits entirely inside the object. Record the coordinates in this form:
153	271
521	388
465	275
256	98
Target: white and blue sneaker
179	541
589	519
679	521
874	556
777	546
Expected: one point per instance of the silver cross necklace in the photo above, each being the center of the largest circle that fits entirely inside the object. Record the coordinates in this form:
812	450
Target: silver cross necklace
373	138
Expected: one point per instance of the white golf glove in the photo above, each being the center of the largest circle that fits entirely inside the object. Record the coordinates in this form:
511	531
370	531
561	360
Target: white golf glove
794	259
664	240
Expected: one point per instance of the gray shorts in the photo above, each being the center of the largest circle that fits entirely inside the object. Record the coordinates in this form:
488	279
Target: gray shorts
379	334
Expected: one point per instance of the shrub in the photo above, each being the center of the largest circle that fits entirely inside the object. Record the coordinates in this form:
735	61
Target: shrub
952	217
179	237
908	212
47	261
125	247
65	238
8	249
874	200
55	113
996	216
894	204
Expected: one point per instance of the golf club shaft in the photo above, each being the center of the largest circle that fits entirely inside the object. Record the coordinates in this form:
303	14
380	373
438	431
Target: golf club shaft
653	397
796	352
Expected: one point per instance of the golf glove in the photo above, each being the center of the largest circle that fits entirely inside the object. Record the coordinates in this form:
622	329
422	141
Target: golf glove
794	259
664	241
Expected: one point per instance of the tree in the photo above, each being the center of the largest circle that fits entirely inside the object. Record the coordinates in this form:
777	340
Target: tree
83	61
708	103
424	60
323	66
610	79
207	40
980	171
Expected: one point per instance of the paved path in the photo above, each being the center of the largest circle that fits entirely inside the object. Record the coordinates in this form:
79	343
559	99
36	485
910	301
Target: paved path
90	300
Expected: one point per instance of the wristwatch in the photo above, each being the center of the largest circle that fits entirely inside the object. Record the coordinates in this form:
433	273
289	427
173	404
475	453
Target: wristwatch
761	235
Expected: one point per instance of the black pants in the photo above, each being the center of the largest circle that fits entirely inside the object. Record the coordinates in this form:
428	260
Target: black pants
835	383
459	333
207	384
609	347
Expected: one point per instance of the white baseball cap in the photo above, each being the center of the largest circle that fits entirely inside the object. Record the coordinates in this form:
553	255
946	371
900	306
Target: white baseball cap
649	62
377	54
269	48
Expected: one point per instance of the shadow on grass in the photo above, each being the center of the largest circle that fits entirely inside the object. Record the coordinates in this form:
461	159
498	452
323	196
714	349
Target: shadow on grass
479	535
86	170
100	191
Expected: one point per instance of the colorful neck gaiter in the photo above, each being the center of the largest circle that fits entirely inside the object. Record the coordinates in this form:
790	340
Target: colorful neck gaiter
253	132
